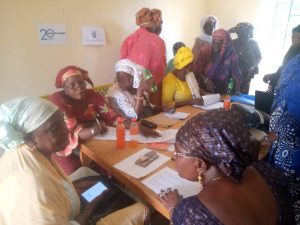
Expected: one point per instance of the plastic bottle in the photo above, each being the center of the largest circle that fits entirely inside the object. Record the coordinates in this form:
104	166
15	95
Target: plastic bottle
134	131
120	133
227	104
230	87
148	75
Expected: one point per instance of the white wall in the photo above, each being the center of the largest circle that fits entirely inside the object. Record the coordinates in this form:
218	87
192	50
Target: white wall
27	68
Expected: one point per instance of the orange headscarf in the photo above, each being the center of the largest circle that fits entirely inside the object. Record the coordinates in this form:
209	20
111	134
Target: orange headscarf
69	71
148	18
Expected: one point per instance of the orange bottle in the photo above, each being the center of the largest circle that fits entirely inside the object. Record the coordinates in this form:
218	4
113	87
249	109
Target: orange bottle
227	103
134	131
120	133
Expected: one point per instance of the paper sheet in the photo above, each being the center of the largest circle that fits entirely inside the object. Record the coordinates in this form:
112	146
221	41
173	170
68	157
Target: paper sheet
211	102
166	136
168	178
128	165
177	115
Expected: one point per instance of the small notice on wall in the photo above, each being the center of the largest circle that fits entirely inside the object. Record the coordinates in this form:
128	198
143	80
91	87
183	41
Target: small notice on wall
52	34
93	35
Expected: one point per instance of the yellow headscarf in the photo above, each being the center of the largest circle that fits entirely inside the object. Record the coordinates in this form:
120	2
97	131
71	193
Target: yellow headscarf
183	57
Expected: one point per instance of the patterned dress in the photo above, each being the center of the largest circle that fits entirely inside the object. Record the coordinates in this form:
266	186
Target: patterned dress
191	211
285	122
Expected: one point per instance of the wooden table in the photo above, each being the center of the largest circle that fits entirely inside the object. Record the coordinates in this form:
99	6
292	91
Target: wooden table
106	155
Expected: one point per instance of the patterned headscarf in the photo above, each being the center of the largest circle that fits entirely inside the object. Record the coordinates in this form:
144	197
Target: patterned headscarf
127	66
241	27
21	116
183	57
69	71
148	18
222	139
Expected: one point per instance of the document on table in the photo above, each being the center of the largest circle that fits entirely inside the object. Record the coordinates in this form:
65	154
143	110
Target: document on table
211	102
177	115
168	178
166	136
128	165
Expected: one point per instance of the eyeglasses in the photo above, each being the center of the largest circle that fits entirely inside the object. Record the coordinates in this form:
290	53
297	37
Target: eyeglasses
76	86
181	154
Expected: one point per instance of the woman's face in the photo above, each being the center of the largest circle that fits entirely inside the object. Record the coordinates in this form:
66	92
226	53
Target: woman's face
189	67
245	34
296	39
75	87
52	136
186	164
217	45
124	81
209	26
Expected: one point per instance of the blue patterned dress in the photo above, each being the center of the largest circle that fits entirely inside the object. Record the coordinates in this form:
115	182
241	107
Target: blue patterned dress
285	122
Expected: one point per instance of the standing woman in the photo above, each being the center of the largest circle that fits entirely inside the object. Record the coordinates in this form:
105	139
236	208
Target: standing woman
218	63
86	112
285	123
146	48
208	25
248	52
176	90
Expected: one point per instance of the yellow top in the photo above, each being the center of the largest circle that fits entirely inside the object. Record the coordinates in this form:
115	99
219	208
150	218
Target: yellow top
174	90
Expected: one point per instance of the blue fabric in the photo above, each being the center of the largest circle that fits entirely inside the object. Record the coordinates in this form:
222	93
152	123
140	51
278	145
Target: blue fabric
285	122
243	98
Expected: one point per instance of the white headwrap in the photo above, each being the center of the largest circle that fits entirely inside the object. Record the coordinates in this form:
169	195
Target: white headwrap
127	66
203	36
21	116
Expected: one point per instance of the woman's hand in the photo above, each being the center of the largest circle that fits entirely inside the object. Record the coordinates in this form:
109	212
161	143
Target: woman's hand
210	86
145	86
147	132
169	198
197	101
100	126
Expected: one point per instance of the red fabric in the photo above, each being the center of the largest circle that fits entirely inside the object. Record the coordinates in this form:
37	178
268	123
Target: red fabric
146	49
59	82
76	116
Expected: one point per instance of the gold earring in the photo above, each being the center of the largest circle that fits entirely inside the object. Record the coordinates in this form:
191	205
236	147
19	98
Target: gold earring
200	177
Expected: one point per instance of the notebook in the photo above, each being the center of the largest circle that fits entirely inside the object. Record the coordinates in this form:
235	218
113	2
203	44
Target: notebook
264	101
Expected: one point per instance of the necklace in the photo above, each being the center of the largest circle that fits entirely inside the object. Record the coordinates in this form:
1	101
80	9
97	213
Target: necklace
213	180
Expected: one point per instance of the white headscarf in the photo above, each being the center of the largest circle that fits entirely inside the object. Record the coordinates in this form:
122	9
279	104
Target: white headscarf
203	36
127	66
21	116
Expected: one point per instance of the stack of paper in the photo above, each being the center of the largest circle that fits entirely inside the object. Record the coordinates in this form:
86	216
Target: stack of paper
168	178
177	115
128	165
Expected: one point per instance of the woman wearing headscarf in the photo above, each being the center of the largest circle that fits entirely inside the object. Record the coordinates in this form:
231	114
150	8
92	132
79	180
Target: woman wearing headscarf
207	26
33	191
126	95
175	48
285	123
218	63
86	111
216	150
146	48
248	53
176	90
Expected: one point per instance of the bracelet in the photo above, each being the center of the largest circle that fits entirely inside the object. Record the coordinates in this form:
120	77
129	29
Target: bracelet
171	209
138	98
93	131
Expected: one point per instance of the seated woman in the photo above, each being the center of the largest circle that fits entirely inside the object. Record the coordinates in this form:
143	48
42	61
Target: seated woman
218	63
127	96
31	186
85	111
216	150
176	90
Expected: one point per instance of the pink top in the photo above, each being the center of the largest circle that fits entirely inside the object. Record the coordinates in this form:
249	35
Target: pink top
146	49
